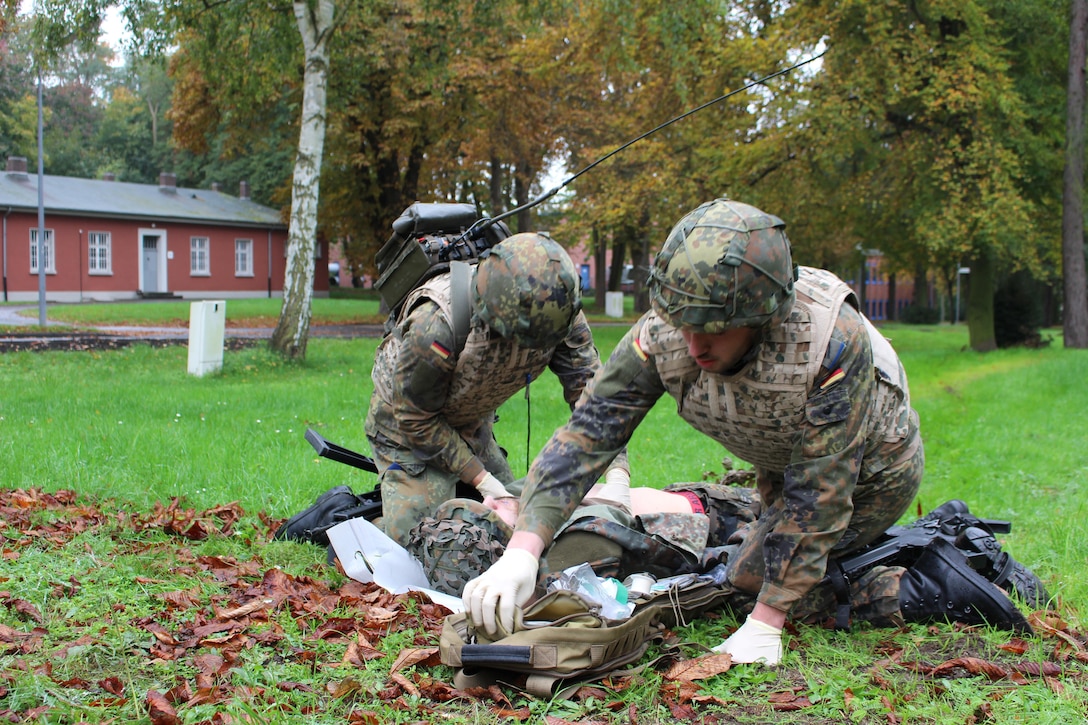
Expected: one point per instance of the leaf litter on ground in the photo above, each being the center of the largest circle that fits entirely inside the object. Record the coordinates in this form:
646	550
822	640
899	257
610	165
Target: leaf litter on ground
215	607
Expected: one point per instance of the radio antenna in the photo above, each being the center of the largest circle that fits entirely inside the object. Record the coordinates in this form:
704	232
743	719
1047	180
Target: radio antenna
552	192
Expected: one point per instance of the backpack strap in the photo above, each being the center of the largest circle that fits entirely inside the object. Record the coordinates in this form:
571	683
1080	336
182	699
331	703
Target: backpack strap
460	279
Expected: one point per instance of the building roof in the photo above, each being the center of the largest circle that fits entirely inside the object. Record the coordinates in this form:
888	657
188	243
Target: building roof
70	196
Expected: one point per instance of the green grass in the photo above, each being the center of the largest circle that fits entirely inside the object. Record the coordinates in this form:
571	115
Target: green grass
259	311
1004	431
350	306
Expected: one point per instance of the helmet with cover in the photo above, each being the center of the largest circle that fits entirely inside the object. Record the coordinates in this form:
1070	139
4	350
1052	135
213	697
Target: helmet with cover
528	290
459	543
724	265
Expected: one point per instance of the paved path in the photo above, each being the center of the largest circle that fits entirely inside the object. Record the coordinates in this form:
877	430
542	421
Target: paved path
10	315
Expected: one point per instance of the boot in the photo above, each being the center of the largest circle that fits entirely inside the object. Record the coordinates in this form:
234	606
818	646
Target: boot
336	505
941	585
986	557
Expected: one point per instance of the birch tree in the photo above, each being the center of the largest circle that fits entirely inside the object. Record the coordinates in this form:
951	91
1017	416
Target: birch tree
315	23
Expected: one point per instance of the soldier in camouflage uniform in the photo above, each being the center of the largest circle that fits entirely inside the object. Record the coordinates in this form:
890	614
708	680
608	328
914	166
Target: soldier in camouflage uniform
430	418
781	368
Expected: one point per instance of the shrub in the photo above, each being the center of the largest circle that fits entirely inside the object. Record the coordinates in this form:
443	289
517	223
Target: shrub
1018	312
920	315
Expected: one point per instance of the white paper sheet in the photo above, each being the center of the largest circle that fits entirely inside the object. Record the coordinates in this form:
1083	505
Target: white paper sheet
368	555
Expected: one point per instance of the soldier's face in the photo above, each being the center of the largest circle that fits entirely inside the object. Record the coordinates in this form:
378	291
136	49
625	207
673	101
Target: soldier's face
719	352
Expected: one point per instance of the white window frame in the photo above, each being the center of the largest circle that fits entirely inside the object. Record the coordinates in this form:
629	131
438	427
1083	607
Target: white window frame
243	257
200	257
103	243
50	251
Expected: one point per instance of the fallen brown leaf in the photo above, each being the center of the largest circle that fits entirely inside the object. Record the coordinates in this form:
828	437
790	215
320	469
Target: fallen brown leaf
24	608
343	688
974	665
293	687
409	657
359	652
700	668
159	710
406	684
211	663
255	605
1016	646
112	685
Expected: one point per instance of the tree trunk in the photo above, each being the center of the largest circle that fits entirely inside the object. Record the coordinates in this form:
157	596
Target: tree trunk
619	257
600	254
891	314
921	286
523	179
495	186
640	258
153	109
291	334
1075	317
980	303
863	287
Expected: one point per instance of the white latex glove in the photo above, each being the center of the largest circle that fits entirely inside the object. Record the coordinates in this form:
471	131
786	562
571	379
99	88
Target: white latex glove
507	584
755	641
491	486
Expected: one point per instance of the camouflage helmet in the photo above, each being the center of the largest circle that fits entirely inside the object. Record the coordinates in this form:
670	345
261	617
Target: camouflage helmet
458	543
724	265
528	290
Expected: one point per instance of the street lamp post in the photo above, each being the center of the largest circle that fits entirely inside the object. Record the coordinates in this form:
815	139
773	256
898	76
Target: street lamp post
41	212
959	273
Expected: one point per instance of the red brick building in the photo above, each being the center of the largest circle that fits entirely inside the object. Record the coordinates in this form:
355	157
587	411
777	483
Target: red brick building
877	297
109	240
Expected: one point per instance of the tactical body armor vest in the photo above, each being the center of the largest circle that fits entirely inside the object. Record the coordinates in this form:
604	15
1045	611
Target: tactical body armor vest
490	369
757	412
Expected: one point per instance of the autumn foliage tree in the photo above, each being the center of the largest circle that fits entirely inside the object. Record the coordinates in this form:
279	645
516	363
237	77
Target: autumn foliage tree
911	135
931	131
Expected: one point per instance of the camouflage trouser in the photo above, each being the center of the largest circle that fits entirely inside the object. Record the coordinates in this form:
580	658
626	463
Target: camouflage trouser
874	597
878	504
729	508
412	490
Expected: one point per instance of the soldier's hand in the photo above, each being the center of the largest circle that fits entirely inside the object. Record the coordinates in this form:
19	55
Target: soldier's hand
488	485
754	641
490	599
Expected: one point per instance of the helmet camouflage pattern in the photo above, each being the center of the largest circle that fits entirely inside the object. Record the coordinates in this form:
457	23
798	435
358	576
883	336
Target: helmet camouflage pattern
458	544
724	265
527	289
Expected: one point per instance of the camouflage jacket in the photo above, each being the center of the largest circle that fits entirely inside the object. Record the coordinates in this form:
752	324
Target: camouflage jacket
429	398
811	408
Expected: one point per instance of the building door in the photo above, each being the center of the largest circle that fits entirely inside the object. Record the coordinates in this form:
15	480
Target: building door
150	266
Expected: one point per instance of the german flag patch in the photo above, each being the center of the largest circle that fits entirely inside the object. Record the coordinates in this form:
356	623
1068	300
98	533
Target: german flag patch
637	347
833	378
438	349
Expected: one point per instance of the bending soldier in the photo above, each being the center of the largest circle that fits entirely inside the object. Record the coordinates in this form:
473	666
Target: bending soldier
430	418
781	368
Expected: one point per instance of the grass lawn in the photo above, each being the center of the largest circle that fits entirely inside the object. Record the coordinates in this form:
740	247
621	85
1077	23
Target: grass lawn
113	598
342	307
